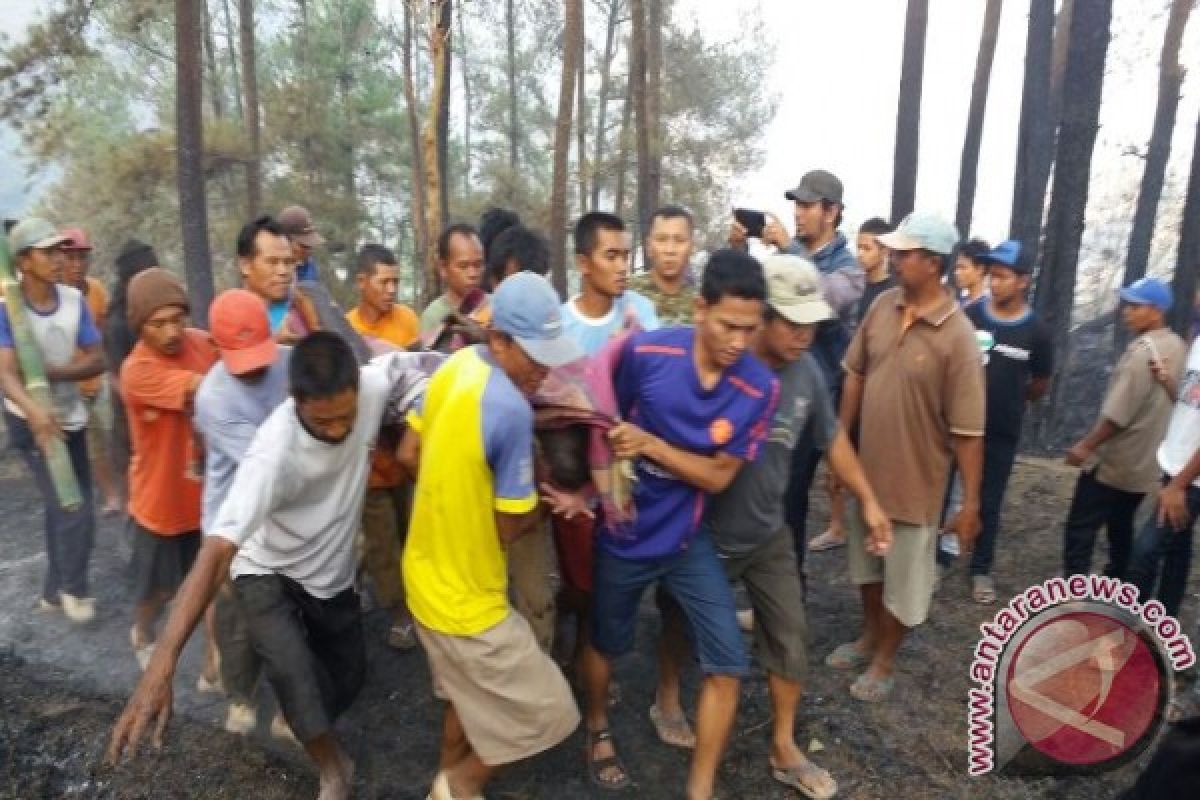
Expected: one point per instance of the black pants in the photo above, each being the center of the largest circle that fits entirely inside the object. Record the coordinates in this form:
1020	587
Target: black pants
240	665
1093	505
313	649
69	534
998	458
1163	555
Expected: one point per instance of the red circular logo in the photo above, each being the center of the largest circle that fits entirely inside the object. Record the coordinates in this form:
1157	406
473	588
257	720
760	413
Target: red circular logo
1083	688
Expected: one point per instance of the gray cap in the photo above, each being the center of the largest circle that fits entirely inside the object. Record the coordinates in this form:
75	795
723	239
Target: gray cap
34	232
526	307
817	185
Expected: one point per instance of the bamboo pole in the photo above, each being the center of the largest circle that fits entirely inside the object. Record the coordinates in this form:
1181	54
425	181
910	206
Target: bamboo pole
66	487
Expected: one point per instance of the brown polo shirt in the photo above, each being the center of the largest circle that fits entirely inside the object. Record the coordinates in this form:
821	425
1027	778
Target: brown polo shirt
923	381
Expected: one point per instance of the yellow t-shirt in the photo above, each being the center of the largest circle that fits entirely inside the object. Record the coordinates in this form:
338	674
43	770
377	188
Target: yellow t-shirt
400	327
476	458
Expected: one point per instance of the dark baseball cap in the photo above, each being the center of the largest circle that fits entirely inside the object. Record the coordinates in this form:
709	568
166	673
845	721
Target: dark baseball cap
817	185
297	223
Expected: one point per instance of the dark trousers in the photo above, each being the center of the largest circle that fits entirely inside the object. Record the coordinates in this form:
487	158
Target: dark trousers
313	649
69	534
1163	555
805	460
240	664
998	457
1093	505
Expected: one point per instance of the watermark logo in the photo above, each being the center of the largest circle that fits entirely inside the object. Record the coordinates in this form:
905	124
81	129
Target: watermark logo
1073	675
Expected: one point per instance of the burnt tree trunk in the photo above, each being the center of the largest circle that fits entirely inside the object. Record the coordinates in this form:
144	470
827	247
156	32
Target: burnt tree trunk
974	136
572	51
1083	83
601	133
250	108
908	110
216	100
466	78
1158	151
233	57
416	162
1035	132
581	165
1184	284
189	145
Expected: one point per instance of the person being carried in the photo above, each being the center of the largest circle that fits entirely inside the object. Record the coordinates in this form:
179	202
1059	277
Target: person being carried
285	535
472	440
67	341
1118	454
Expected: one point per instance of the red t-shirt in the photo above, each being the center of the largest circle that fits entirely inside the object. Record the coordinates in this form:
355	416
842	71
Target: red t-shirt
164	489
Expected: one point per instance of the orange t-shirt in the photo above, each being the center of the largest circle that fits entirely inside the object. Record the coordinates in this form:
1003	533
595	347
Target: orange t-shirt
164	488
400	328
97	300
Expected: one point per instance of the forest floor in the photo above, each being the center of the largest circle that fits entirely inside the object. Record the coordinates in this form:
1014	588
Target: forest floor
62	687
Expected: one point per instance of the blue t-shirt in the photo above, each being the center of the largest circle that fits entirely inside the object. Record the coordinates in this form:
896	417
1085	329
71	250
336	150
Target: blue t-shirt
659	391
277	311
229	412
592	334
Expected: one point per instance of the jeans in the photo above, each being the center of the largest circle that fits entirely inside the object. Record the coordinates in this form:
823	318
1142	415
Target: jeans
1093	505
998	458
1163	555
69	534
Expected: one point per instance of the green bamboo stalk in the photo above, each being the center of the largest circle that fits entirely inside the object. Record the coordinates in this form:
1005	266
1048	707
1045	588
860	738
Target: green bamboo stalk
66	487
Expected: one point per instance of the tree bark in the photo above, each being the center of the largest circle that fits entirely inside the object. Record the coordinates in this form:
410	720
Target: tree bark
466	78
1158	151
250	108
445	56
623	143
433	143
1035	133
653	106
189	142
581	117
974	136
233	58
908	110
1058	64
601	134
1184	283
637	83
1083	86
210	56
572	47
416	160
514	131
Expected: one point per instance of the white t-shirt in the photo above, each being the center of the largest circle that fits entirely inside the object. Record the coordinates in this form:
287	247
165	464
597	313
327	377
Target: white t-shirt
295	505
592	333
1183	431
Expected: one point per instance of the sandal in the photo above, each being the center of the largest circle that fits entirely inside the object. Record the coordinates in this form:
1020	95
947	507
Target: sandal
983	589
674	731
141	650
872	690
597	766
846	657
808	779
827	541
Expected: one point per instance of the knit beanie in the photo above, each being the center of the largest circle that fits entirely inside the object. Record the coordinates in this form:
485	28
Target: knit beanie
149	291
134	257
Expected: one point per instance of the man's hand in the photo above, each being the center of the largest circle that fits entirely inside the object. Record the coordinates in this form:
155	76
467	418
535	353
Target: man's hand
1078	454
567	505
1172	507
45	428
966	525
151	703
879	529
630	441
774	233
1161	372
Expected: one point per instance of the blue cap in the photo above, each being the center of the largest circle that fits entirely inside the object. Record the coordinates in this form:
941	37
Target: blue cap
1008	254
1148	292
922	230
526	307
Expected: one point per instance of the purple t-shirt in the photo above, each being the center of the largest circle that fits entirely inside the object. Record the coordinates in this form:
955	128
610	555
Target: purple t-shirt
659	391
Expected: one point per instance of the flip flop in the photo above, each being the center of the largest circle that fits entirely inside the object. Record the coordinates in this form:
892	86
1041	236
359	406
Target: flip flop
597	766
826	541
674	731
846	657
983	589
808	779
872	690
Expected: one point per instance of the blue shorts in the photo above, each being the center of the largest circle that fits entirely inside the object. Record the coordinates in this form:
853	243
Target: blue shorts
696	579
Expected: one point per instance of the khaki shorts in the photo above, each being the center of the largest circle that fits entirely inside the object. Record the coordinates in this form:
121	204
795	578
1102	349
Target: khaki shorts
907	572
511	698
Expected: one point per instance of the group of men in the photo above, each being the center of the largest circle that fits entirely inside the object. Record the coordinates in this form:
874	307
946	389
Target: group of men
262	447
